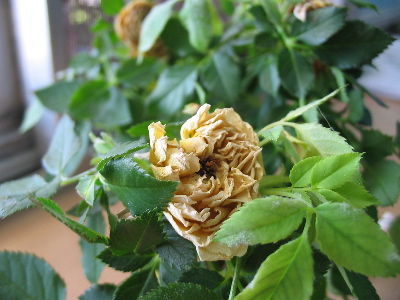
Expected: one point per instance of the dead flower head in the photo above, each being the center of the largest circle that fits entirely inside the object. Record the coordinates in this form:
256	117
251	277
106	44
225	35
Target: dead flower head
218	165
128	24
300	10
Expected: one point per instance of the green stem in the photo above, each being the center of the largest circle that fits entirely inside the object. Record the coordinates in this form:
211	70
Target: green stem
76	178
235	280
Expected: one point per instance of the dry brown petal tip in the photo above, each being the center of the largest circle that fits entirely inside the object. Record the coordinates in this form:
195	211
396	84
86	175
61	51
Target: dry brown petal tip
218	165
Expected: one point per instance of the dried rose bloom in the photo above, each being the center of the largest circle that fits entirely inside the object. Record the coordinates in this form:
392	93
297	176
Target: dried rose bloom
300	10
128	24
218	165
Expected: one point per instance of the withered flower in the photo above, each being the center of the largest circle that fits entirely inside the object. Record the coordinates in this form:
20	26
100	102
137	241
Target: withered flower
218	165
300	9
128	24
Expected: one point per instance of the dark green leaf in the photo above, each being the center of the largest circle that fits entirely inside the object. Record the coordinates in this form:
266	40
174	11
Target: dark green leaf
321	141
141	129
15	195
363	4
300	174
138	74
112	7
269	78
295	72
137	191
136	235
154	24
25	276
352	239
257	254
88	99
137	285
92	267
168	274
263	220
99	292
272	10
376	145
176	252
84	232
335	170
221	76
121	150
179	47
32	115
394	232
128	262
196	15
356	44
320	25
114	112
204	277
174	86
286	274
321	266
356	105
271	181
362	288
181	291
382	180
58	95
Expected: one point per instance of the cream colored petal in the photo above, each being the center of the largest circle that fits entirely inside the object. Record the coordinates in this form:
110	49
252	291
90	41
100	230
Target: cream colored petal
165	173
193	123
195	145
184	163
216	251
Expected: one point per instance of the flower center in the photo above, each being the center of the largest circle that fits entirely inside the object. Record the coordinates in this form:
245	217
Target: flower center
209	167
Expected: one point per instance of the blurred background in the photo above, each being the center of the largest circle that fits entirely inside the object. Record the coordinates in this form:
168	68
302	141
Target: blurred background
37	40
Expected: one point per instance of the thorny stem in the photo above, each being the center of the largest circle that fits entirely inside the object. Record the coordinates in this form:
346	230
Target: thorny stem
76	178
235	280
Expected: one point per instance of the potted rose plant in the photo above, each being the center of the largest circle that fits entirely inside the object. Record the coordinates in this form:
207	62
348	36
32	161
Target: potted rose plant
265	191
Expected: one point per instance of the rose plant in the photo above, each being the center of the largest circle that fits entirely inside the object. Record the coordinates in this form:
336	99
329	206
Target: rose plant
263	193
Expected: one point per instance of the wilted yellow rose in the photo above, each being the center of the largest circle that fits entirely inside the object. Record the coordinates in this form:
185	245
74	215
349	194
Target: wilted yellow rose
300	9
128	24
218	165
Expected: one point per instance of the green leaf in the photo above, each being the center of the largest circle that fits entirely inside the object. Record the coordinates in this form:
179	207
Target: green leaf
382	180
321	141
32	115
181	291
58	95
136	235
221	76
273	133
99	292
295	72
168	274
115	111
356	44
320	25
83	62
87	187
286	274
335	170
67	148
141	129
272	10
112	7
356	105
303	109
263	220
15	195
204	277
361	287
271	181
175	85
128	262
394	232
137	285
154	24
300	174
137	191
92	267
177	252
352	239
376	145
84	232
363	4
88	99
269	77
196	16
138	74
25	276
121	150
356	195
